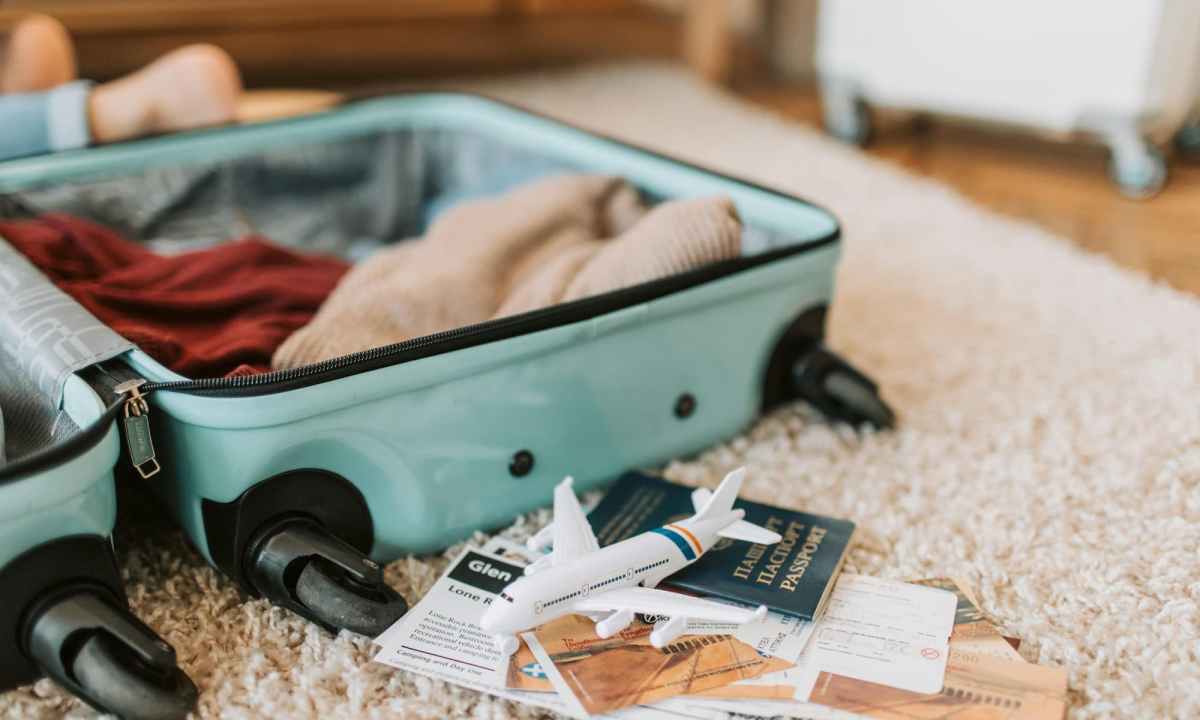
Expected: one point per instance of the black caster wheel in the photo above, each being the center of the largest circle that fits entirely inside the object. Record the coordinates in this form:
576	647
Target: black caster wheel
113	677
840	391
299	565
1138	173
107	657
801	368
339	600
1187	140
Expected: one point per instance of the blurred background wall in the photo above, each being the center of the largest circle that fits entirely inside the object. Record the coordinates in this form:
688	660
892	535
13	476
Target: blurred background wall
317	42
766	51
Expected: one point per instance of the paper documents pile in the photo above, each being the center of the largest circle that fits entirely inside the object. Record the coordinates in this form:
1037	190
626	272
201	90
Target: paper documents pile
881	649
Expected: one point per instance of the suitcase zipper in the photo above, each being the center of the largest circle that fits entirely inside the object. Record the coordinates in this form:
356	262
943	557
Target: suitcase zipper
480	333
355	362
134	391
137	428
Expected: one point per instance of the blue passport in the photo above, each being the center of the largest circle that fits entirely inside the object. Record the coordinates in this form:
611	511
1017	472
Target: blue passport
793	576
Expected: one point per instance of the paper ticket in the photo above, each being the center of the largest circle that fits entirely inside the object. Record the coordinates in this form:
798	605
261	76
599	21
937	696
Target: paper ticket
883	631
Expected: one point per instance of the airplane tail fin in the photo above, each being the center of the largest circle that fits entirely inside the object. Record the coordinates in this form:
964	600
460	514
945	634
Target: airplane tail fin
720	502
711	505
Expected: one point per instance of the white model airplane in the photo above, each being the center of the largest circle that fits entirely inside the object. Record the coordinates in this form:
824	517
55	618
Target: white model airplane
611	584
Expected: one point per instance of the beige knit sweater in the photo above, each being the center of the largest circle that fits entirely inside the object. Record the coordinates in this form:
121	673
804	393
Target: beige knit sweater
547	242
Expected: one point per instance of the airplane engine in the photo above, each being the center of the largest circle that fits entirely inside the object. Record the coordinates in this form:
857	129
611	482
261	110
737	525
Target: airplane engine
665	632
614	623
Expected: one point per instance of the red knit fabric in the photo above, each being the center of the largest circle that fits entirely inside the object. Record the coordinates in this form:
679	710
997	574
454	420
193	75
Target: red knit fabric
209	313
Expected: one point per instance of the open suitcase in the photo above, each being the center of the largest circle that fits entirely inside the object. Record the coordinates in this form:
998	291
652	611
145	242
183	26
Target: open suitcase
298	483
62	602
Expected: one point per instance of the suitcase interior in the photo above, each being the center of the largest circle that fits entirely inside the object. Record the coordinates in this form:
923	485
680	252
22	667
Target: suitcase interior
372	172
354	180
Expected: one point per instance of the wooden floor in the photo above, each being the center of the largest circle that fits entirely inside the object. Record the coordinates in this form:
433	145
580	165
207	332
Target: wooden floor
1063	186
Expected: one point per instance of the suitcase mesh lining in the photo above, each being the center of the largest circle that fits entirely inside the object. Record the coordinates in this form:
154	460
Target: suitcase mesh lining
344	197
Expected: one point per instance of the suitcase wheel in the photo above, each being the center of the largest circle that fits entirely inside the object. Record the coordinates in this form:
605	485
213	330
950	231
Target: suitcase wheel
840	391
106	670
800	367
109	659
300	565
338	599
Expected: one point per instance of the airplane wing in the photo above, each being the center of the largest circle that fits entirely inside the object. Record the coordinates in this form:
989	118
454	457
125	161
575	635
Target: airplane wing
663	602
573	535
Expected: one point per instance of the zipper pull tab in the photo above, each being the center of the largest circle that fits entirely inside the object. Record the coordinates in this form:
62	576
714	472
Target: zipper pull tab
137	428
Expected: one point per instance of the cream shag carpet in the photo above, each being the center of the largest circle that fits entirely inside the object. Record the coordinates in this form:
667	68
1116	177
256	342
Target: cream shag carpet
1049	447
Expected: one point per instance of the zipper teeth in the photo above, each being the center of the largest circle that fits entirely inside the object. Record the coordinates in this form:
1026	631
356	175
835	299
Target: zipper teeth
649	289
324	366
345	361
385	351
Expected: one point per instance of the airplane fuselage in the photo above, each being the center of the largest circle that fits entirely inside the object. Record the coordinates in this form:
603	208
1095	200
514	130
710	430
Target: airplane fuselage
644	560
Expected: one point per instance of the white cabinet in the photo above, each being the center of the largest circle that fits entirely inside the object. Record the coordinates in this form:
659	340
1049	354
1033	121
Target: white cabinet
1125	71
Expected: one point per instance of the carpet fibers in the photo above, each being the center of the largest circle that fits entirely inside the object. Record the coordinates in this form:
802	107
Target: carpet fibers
1049	446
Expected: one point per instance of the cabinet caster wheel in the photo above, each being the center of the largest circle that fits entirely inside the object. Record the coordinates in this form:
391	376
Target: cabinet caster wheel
847	118
1187	140
1138	169
299	565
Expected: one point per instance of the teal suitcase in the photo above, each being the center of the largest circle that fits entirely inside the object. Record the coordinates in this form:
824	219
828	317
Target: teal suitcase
298	483
62	602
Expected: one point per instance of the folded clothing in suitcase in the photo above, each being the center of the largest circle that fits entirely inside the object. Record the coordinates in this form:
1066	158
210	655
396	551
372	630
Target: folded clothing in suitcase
227	309
213	312
290	480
